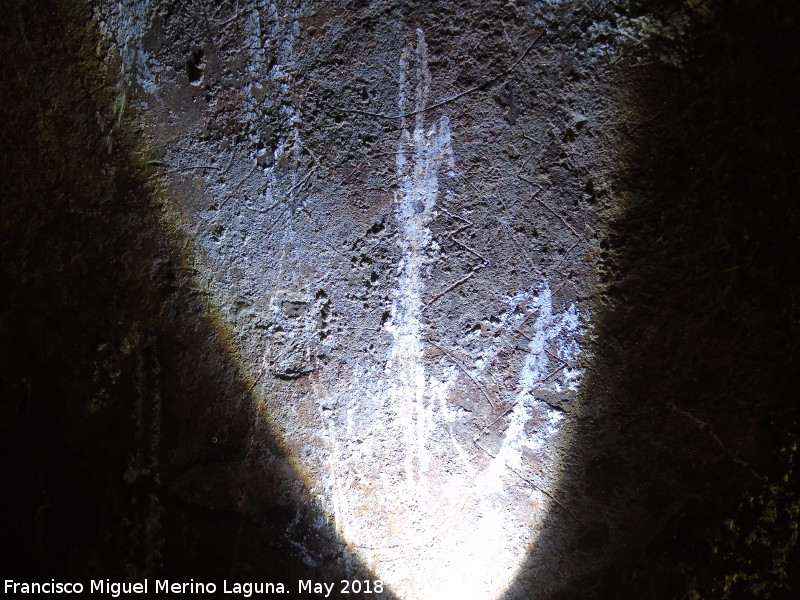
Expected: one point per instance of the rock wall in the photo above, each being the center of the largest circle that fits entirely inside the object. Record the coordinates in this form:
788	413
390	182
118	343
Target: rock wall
480	299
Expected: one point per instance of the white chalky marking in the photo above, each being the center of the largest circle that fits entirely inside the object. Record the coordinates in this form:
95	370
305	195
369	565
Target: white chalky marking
420	156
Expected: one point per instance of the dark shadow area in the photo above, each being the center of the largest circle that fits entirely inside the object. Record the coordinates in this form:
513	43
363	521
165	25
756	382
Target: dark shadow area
683	469
132	447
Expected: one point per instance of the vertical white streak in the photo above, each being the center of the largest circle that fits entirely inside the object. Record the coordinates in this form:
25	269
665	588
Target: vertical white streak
550	331
418	189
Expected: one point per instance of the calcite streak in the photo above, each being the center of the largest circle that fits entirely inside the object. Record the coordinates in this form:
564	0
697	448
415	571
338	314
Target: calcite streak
421	154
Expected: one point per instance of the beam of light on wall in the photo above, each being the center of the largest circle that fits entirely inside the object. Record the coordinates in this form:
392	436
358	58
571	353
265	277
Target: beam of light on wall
438	497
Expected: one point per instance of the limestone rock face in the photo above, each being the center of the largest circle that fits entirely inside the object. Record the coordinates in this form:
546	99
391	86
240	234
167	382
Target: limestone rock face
359	234
396	291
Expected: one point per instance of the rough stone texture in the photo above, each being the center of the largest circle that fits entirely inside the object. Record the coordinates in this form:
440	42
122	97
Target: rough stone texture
483	299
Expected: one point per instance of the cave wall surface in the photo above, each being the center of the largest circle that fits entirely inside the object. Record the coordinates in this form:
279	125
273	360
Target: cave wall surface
480	299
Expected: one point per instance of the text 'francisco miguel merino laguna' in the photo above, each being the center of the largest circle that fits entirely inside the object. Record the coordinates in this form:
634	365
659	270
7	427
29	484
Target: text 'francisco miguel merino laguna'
116	589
